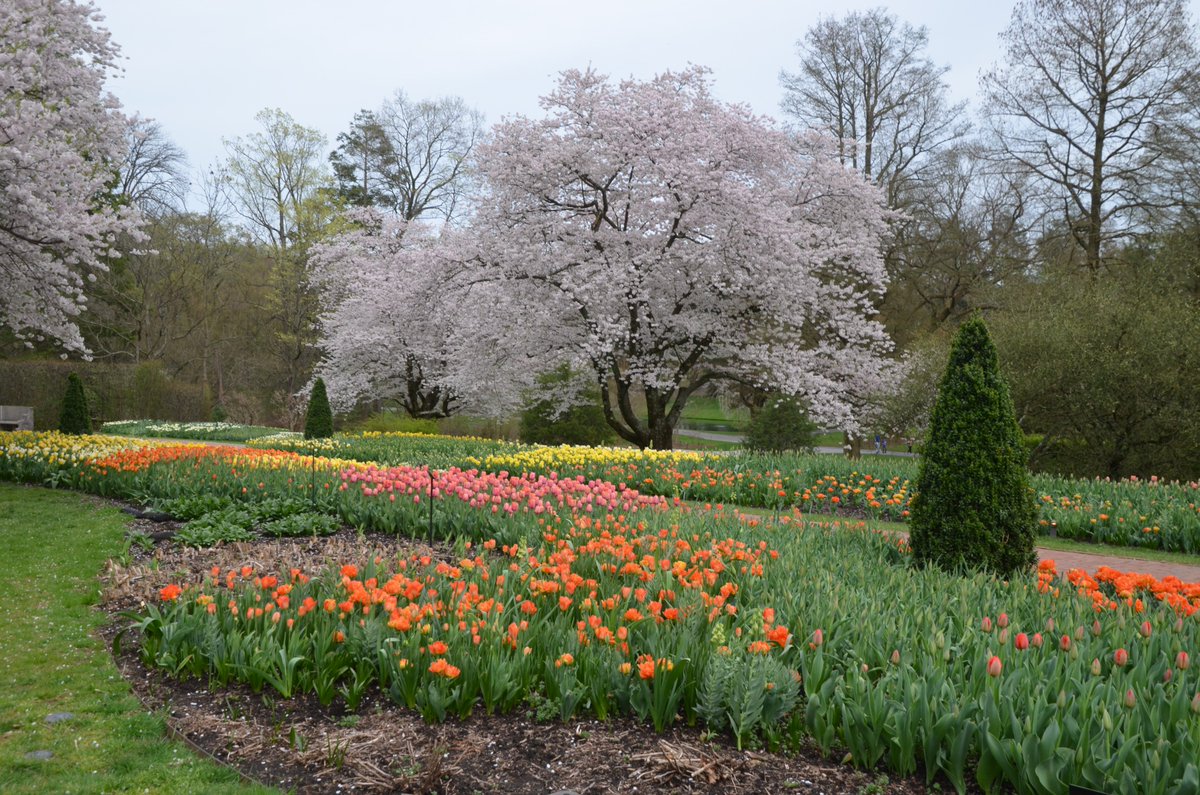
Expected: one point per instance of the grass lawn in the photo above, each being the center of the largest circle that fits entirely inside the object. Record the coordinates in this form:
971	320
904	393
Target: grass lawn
55	543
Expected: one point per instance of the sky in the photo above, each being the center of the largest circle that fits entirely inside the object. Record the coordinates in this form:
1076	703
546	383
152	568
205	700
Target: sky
203	68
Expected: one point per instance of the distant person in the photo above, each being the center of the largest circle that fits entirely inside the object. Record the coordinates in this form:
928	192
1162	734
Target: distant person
884	445
878	444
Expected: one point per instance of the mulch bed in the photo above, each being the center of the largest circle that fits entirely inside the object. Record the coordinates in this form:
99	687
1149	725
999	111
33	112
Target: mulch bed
299	745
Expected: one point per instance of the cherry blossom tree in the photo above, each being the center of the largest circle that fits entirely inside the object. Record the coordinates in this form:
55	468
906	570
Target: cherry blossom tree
664	240
61	140
387	323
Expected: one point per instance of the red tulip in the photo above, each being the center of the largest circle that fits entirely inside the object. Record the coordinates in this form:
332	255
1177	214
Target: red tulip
1182	661
1064	643
1146	629
1120	657
1021	643
1037	639
994	666
1168	675
1002	620
1096	628
986	624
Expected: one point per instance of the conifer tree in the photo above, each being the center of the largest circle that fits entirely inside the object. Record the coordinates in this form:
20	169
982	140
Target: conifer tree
318	423
75	418
974	507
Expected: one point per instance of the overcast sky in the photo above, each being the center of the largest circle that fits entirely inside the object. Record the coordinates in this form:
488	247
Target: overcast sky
203	68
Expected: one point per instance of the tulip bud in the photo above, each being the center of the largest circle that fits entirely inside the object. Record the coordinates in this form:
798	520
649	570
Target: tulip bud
1120	657
1079	633
940	640
1037	639
1021	643
994	667
896	657
1168	675
1182	661
1050	624
864	668
1179	625
986	624
1146	629
1064	643
1002	620
1003	636
1130	698
818	638
1062	699
1196	704
1096	628
1107	721
1096	667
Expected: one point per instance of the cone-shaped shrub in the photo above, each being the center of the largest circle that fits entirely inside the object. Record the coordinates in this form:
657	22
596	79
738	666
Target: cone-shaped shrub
974	507
75	417
318	423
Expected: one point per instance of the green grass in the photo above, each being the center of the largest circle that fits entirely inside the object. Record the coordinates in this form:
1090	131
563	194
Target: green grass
52	661
685	441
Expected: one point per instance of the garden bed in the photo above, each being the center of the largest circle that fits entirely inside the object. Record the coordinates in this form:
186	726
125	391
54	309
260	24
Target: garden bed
299	744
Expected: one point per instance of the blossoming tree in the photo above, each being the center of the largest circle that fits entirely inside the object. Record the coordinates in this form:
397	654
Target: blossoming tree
61	138
387	328
663	240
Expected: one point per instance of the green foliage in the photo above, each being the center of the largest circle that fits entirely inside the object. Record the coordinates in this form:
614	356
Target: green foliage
744	693
1107	371
544	421
974	507
318	423
114	390
223	526
781	424
300	524
219	414
390	422
74	417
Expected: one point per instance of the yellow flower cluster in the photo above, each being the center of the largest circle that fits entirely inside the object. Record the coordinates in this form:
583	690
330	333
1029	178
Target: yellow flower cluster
51	448
568	457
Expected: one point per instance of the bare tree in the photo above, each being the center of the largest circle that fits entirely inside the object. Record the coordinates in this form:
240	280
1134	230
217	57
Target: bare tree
152	175
409	157
278	183
1087	101
966	236
865	78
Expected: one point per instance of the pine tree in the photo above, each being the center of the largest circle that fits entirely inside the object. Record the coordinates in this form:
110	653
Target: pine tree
974	507
75	418
318	423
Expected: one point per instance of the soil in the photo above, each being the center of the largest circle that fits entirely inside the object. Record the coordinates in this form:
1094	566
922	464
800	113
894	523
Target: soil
298	745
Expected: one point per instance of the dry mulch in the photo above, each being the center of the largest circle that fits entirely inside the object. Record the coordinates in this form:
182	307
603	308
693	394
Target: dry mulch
297	744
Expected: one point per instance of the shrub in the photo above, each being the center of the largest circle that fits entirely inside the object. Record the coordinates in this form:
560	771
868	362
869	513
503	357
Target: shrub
781	424
545	421
388	422
318	423
973	506
75	418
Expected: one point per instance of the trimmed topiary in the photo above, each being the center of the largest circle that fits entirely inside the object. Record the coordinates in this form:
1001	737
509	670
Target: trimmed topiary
318	423
973	506
75	418
781	424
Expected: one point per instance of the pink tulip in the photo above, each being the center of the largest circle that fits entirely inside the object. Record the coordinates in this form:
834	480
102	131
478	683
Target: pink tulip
1037	639
1096	628
986	624
1182	661
1096	667
1064	643
994	667
1146	629
1002	620
896	657
1130	698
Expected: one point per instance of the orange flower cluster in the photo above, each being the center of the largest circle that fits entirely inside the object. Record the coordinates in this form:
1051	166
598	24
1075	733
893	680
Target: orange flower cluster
1109	588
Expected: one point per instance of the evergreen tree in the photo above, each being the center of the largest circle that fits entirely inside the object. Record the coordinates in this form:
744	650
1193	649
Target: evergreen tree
318	423
75	417
973	507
